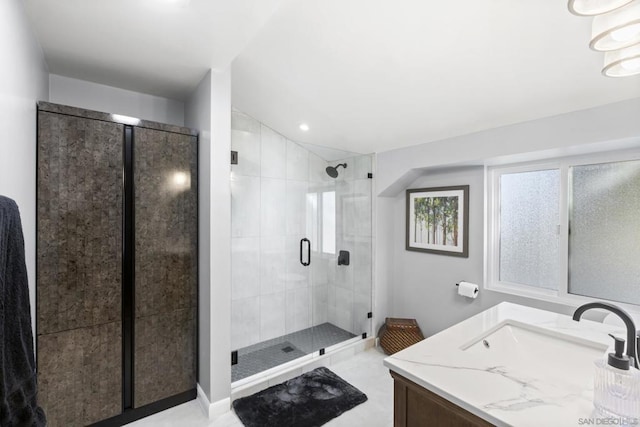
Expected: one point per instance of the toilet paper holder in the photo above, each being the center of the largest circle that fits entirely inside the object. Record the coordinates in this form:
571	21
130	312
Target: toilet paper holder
475	292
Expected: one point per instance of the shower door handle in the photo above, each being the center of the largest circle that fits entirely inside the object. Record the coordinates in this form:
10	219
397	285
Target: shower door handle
302	241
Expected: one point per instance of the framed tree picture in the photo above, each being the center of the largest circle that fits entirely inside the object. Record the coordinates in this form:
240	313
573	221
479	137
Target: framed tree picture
438	220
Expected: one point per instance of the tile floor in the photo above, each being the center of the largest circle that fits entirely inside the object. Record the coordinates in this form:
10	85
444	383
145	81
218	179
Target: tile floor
274	352
364	370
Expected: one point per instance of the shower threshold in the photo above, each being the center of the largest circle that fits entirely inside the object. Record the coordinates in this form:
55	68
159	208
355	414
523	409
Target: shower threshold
274	352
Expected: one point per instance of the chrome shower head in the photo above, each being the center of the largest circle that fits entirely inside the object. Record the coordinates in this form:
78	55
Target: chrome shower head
333	171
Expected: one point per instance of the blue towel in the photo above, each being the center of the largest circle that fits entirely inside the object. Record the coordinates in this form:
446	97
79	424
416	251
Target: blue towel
18	385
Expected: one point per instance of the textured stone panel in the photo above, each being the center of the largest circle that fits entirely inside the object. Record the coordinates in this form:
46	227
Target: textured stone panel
80	375
165	356
108	117
166	224
79	222
166	263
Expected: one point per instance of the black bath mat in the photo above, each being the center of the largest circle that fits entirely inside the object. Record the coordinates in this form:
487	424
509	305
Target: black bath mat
309	400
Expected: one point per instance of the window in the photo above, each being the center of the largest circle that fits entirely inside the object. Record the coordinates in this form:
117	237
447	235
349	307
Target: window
321	221
329	222
604	242
529	218
566	230
312	220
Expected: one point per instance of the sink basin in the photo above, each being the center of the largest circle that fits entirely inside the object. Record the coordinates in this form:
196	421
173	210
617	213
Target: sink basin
520	339
528	347
512	365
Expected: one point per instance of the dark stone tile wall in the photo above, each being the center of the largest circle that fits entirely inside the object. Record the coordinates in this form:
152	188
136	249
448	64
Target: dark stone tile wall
79	222
166	233
165	362
79	375
107	117
79	263
79	244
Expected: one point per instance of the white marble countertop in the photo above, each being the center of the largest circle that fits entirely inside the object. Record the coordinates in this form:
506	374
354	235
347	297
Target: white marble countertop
505	392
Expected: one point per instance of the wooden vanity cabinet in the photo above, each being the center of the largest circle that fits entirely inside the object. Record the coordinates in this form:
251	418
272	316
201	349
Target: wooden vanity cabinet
415	406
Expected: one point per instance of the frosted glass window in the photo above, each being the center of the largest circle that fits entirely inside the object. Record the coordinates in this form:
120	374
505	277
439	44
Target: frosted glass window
329	222
529	218
604	242
312	220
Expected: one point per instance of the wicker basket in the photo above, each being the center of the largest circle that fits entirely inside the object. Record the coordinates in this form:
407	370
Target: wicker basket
398	334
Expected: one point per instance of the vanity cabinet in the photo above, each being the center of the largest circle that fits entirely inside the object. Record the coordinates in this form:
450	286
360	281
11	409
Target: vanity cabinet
415	406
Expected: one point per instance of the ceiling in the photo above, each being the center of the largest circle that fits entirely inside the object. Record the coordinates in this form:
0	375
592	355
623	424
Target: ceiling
366	75
161	47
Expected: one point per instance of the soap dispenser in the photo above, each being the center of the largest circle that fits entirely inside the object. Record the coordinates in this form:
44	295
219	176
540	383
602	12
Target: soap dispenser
617	384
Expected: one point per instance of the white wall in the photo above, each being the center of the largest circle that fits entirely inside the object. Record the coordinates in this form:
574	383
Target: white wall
220	234
209	110
98	97
422	286
198	116
556	135
23	81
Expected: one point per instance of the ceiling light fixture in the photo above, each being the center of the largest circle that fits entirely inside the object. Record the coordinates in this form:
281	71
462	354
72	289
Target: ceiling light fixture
304	127
622	62
594	7
617	29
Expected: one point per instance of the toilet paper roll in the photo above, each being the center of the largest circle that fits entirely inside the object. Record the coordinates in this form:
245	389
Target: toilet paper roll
469	290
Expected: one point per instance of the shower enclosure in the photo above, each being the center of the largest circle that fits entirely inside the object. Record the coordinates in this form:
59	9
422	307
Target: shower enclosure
301	248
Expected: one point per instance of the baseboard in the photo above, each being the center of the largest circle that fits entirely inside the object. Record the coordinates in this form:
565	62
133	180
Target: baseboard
133	414
215	409
203	401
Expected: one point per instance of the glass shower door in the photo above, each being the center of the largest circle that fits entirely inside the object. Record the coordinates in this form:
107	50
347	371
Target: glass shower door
341	279
290	219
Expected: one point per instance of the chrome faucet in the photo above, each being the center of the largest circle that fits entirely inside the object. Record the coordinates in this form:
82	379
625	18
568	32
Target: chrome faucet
632	342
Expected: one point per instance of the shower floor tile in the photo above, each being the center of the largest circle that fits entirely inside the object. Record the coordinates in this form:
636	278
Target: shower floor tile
271	353
254	362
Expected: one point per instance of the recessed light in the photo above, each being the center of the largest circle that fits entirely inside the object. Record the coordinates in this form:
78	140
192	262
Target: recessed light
304	127
170	4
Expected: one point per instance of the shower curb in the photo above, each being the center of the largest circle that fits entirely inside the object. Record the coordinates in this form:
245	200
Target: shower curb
271	377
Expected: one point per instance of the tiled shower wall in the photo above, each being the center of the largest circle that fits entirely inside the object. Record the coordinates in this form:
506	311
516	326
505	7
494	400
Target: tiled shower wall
349	295
272	188
271	290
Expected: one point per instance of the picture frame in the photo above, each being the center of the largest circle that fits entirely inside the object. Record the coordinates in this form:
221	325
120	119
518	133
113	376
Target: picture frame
437	220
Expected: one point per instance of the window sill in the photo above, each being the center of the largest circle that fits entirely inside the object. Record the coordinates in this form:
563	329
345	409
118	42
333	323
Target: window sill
555	297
